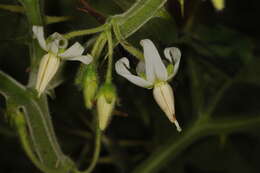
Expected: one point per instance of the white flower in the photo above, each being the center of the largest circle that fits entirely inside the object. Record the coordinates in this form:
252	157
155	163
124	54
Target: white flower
56	47
152	73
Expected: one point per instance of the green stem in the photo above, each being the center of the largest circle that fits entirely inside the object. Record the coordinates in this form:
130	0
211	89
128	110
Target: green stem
57	19
38	121
130	21
47	19
85	32
110	57
199	130
36	110
33	11
127	46
97	149
96	152
23	135
169	151
12	8
98	46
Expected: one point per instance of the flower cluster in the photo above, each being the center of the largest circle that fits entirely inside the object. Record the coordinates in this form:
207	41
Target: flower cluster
151	73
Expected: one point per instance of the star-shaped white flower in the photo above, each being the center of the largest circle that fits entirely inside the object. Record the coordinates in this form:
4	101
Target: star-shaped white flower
152	73
56	47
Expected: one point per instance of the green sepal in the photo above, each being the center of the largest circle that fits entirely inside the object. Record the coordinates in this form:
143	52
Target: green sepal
90	85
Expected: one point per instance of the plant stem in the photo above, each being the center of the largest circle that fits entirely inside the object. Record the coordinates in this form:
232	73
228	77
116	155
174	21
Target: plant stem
98	46
97	148
85	32
127	46
96	151
38	122
175	145
24	138
110	57
130	21
33	11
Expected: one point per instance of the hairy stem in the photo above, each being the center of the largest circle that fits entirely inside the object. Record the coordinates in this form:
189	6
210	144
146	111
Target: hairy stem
42	136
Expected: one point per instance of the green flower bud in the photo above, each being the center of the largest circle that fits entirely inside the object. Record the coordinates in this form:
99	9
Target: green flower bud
105	104
90	85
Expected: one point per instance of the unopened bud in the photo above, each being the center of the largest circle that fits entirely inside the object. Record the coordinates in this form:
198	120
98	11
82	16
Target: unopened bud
48	67
219	4
164	97
105	104
90	85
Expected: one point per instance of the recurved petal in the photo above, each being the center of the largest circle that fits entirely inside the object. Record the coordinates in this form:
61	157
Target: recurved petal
39	34
75	50
154	66
173	54
85	59
56	42
122	67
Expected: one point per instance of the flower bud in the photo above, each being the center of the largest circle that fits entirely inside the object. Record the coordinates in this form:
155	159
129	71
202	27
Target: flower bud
164	97
90	85
219	4
105	104
48	67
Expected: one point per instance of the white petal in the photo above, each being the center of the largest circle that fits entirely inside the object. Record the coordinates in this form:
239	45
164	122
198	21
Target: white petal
173	54
48	67
164	97
75	50
140	68
39	34
154	66
122	67
85	59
